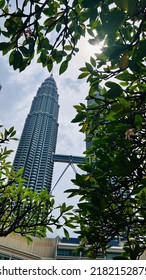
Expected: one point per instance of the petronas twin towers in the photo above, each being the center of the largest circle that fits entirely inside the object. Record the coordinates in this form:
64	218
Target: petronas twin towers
39	136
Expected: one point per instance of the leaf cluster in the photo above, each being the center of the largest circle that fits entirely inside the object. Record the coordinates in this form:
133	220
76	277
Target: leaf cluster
21	209
50	29
113	190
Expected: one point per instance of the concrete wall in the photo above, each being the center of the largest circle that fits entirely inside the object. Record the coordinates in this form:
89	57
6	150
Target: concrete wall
16	245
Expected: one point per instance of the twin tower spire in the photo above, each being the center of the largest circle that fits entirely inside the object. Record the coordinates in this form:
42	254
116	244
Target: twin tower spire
39	136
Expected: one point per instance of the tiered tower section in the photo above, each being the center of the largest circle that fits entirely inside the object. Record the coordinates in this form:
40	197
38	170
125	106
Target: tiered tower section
39	136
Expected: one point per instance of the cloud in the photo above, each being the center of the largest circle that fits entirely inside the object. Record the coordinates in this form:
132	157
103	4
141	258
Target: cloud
18	91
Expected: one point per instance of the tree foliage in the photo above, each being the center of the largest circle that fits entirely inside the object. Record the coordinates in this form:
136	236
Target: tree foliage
49	28
21	209
113	192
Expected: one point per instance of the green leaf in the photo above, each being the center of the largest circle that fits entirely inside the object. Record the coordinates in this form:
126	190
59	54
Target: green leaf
63	67
15	59
137	190
124	102
127	5
138	121
49	229
45	44
58	55
50	24
70	207
122	4
66	233
24	51
83	75
101	56
134	66
43	57
49	67
11	129
79	117
125	76
31	44
124	61
90	4
78	108
93	61
89	67
132	6
68	47
84	127
2	3
140	52
90	32
115	90
63	207
111	22
6	47
58	27
20	172
13	133
12	57
83	69
93	42
49	64
37	8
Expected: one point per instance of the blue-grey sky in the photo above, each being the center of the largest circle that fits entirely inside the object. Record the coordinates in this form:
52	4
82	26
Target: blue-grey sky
18	91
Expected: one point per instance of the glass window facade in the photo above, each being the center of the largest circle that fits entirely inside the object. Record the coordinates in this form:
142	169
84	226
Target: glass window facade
8	257
67	252
39	136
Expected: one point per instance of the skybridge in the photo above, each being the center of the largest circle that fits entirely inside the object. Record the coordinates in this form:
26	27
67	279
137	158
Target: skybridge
70	159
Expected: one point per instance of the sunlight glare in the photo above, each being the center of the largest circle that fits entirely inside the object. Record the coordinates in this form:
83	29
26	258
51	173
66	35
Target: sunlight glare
87	50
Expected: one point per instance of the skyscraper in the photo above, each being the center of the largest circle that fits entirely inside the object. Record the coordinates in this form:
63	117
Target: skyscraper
39	136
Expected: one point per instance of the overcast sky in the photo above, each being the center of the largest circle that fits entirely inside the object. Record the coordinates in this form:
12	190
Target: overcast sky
18	91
